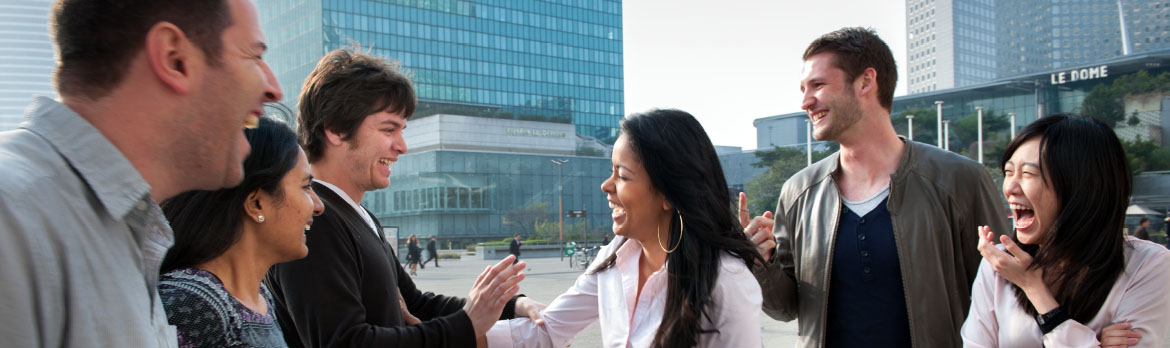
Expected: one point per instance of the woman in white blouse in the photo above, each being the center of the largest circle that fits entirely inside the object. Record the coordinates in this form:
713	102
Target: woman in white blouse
677	274
1070	278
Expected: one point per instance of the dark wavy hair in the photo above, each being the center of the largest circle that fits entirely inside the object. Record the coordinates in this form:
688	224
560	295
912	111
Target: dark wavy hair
207	223
1082	254
683	166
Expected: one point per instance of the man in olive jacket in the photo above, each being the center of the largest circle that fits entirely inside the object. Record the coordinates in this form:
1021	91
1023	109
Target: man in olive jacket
875	245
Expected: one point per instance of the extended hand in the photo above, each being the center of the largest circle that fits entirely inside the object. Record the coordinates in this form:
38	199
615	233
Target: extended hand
526	307
492	290
758	230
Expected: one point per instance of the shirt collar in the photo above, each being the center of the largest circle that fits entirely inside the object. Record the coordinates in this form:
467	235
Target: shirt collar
111	176
353	205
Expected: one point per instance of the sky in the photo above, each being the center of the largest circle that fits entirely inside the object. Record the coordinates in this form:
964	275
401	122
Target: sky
731	62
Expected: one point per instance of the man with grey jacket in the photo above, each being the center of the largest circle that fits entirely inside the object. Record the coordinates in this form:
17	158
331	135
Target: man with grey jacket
875	245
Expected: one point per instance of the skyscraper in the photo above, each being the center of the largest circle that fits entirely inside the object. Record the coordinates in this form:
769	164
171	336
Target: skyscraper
956	43
27	64
555	61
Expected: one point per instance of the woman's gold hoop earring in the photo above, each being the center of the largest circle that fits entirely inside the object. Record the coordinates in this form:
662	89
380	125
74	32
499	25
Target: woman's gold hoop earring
680	235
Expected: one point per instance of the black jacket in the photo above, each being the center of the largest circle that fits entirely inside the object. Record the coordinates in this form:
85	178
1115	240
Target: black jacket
514	248
344	293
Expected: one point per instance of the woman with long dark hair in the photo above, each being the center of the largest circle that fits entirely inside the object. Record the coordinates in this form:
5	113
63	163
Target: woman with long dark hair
1070	273
413	254
678	274
226	240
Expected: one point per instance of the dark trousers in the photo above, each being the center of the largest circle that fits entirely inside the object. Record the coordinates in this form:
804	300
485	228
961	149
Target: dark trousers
433	255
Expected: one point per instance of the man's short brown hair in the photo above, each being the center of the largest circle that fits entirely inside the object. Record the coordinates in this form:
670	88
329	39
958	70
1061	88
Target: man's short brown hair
97	39
346	86
854	50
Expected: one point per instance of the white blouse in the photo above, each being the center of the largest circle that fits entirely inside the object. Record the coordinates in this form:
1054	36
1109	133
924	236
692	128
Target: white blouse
1138	296
608	296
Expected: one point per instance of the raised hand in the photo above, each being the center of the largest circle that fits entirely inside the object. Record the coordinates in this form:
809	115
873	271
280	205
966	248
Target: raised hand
759	229
492	290
1012	264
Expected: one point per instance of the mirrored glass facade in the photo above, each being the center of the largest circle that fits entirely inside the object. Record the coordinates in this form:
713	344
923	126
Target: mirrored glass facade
557	61
541	81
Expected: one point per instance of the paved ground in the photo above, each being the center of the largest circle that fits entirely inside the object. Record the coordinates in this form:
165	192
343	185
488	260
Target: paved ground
549	277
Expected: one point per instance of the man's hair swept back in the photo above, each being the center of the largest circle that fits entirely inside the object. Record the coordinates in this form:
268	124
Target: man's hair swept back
854	50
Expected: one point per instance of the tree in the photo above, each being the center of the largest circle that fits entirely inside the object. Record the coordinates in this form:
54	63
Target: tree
925	124
1144	156
524	220
782	163
1106	102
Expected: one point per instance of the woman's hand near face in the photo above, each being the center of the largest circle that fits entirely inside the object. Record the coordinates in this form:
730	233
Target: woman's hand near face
1012	264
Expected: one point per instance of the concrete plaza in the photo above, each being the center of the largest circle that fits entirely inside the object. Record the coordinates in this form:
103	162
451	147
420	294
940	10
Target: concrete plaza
548	277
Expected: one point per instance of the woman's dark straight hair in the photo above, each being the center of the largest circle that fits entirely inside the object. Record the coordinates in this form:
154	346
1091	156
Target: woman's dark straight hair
207	223
1082	254
683	166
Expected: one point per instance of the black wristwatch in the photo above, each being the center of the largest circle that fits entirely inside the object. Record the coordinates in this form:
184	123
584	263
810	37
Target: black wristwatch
1049	321
510	308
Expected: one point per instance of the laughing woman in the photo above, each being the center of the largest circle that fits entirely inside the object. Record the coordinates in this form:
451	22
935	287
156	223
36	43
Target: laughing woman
1070	274
226	240
678	273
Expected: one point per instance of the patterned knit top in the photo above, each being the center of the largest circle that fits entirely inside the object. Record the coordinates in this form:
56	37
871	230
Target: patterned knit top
206	315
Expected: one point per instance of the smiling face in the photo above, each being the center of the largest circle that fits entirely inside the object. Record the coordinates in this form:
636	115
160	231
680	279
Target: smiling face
291	214
231	98
1033	203
373	148
829	99
638	209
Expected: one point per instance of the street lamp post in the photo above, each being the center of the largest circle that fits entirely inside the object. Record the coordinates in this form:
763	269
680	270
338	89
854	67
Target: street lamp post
910	127
808	141
1013	117
560	204
979	138
947	135
940	122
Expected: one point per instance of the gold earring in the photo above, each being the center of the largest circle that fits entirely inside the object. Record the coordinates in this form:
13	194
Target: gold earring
680	235
260	218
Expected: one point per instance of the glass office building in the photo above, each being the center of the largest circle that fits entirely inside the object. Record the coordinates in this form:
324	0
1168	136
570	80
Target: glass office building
555	61
26	66
1048	92
472	179
495	78
958	43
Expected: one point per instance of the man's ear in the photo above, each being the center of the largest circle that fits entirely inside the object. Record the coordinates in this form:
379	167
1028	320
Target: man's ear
170	55
334	138
867	82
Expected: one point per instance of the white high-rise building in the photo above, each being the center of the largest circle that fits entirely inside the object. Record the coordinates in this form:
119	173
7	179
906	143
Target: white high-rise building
26	57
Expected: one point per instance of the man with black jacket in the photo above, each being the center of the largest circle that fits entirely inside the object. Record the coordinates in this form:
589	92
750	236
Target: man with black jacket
433	252
514	248
346	293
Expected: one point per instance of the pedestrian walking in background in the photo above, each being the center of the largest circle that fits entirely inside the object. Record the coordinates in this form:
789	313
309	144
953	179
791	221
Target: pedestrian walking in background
413	254
432	252
1143	232
514	247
